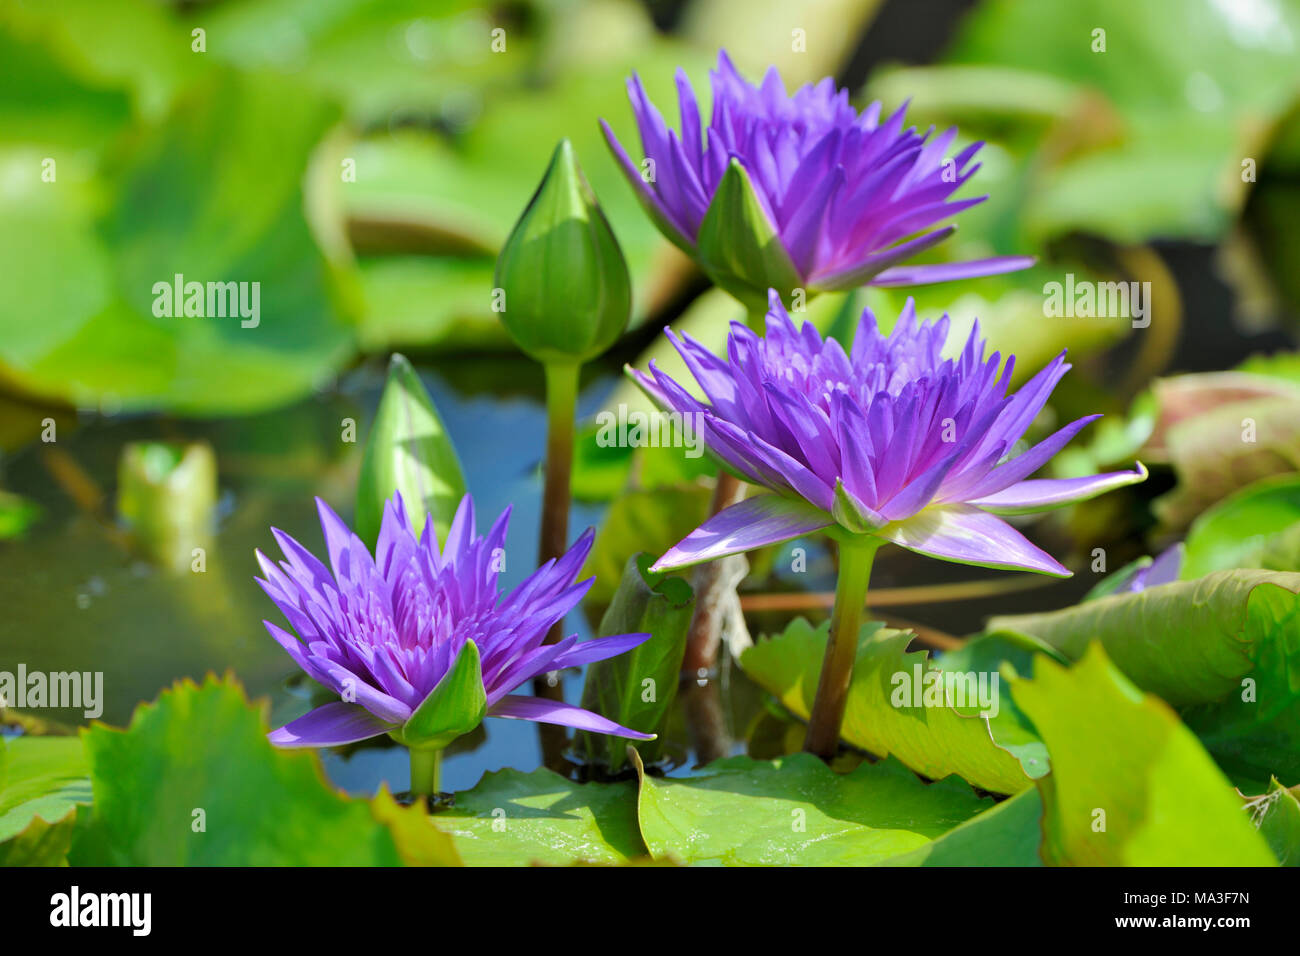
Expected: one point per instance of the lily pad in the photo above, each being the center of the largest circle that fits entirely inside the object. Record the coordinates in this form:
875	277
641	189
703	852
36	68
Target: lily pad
44	778
190	195
194	781
932	740
1190	642
516	819
1167	163
1008	834
796	811
40	844
1252	528
1130	785
1276	815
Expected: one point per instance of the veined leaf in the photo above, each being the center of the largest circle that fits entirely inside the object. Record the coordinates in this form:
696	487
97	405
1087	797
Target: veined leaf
194	781
1008	834
517	819
1255	527
934	740
40	778
1130	785
796	811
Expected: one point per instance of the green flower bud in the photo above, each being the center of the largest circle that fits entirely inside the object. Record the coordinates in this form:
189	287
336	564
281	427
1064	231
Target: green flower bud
409	451
567	293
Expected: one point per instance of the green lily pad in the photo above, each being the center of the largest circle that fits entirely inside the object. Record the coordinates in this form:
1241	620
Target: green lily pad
1130	785
1167	160
1253	528
1224	649
401	58
43	778
194	781
1254	730
430	303
1276	815
515	819
40	844
932	740
796	811
1190	642
188	195
1008	834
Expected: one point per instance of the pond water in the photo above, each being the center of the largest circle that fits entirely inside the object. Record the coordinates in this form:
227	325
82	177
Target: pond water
76	597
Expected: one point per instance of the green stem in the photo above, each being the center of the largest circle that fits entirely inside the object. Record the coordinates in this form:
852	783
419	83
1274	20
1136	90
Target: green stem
856	555
561	413
756	319
426	766
561	410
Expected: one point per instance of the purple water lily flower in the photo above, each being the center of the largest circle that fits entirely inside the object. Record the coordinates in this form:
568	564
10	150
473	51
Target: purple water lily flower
384	631
850	197
891	440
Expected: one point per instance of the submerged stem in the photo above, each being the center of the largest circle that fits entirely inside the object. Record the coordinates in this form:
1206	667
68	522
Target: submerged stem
856	555
426	767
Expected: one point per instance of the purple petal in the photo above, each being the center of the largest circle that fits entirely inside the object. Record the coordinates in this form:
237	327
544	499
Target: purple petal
753	523
598	649
298	651
1040	494
1164	569
872	266
338	542
1009	472
330	725
344	682
951	271
966	535
557	712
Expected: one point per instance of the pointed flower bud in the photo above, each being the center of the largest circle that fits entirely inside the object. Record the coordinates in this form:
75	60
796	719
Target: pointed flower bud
568	295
